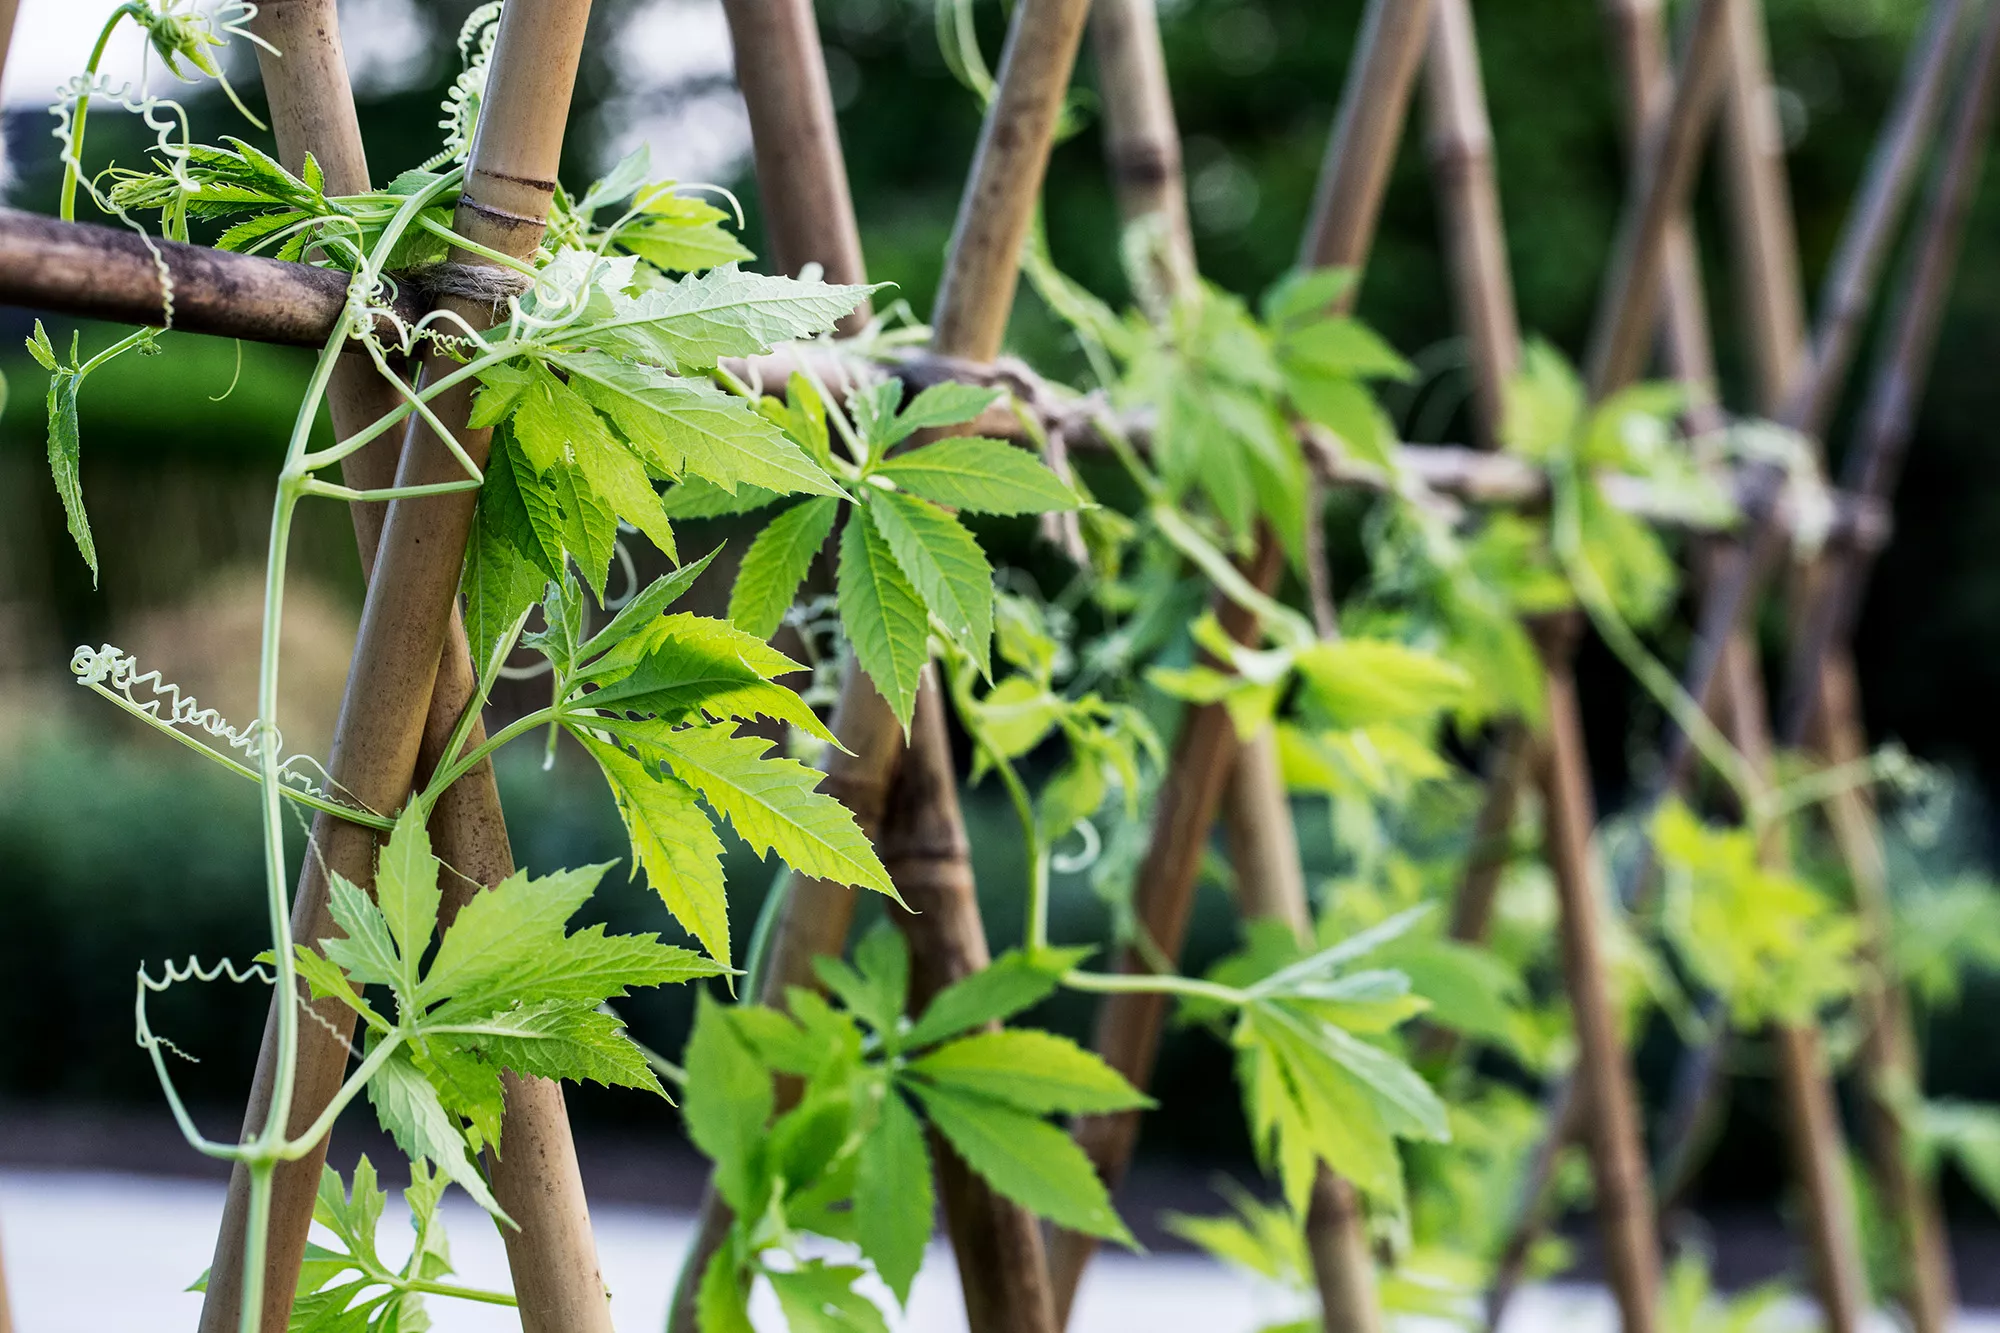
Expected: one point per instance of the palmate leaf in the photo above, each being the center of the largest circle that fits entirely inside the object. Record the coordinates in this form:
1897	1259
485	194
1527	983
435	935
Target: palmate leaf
506	566
1037	1072
639	613
685	427
945	565
407	894
1013	982
673	840
946	404
882	614
1024	1158
695	667
594	476
774	804
980	476
776	564
693	323
892	1195
680	234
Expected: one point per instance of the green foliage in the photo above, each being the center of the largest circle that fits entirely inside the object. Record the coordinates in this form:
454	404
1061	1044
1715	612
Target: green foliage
507	989
1940	931
1774	947
848	1161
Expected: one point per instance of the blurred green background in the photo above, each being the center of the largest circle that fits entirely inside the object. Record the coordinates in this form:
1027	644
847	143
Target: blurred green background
115	847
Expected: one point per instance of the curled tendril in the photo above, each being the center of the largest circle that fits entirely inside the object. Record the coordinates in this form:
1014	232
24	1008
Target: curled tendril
1085	856
148	108
173	974
115	673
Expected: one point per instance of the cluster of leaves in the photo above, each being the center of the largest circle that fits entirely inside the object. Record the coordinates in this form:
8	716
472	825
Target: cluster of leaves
506	989
1774	947
908	569
847	1160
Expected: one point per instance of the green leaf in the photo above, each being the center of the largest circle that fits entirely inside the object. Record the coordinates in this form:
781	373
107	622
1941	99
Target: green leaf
1544	403
945	565
892	1195
1305	294
1346	408
673	840
1025	1159
818	1297
366	951
687	427
696	497
722	1302
406	891
882	614
589	524
410	1111
981	476
768	580
1340	346
695	667
1362	682
64	453
876	989
774	804
729	1098
678	233
696	322
639	613
522	509
501	578
558	1041
1037	1072
946	404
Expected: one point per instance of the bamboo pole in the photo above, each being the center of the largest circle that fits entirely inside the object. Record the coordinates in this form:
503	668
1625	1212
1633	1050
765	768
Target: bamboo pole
406	626
1142	143
998	1243
808	212
7	12
1765	246
1604	1076
1348	202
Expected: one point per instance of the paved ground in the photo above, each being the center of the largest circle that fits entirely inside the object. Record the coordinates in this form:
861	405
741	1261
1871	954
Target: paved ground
102	1252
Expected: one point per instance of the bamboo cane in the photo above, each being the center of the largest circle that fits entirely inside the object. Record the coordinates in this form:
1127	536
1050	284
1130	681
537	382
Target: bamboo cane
1142	143
7	9
405	628
1347	204
808	212
998	1243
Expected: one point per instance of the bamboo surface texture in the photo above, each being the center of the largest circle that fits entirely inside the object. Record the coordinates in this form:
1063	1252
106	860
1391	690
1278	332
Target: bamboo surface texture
406	623
1142	143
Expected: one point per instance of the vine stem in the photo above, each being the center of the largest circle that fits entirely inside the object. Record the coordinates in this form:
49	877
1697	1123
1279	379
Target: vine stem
1153	983
73	159
450	773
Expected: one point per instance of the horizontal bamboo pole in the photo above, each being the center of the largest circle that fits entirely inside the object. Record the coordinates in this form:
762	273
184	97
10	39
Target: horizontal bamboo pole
93	272
406	622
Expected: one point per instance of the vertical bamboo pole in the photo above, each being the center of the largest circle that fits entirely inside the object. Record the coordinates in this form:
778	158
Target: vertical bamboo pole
7	11
1766	249
1603	1075
999	1244
1355	173
809	218
1145	158
1348	201
406	626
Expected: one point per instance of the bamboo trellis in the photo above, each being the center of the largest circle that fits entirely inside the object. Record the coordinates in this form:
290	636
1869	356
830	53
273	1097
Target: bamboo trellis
411	676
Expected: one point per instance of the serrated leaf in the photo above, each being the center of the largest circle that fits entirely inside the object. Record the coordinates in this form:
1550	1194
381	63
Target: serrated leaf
768	580
882	614
946	404
499	581
367	952
638	614
945	565
1013	982
696	667
697	497
589	524
695	322
729	1098
673	840
1362	682
1037	1072
683	242
722	1301
981	476
1342	346
410	1111
64	454
892	1195
406	891
773	803
1025	1159
558	1041
688	427
818	1297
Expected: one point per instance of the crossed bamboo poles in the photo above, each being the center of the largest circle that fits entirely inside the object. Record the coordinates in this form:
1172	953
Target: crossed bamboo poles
924	831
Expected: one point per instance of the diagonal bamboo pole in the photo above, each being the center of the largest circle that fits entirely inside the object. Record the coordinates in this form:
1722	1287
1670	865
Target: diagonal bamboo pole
1557	759
809	218
407	658
1359	154
999	1244
1144	153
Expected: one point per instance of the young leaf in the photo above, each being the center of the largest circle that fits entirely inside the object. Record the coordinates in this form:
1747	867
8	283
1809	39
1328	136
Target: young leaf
1013	982
558	1041
946	404
981	476
694	323
409	1109
945	565
728	1100
406	891
892	1195
365	951
694	667
818	1297
64	452
673	839
1024	1158
876	989
882	614
639	613
776	563
1037	1072
774	804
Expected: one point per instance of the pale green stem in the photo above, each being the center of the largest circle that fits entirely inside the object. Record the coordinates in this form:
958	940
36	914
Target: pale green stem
458	768
488	674
1139	983
293	1150
370	433
73	160
1285	624
331	491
